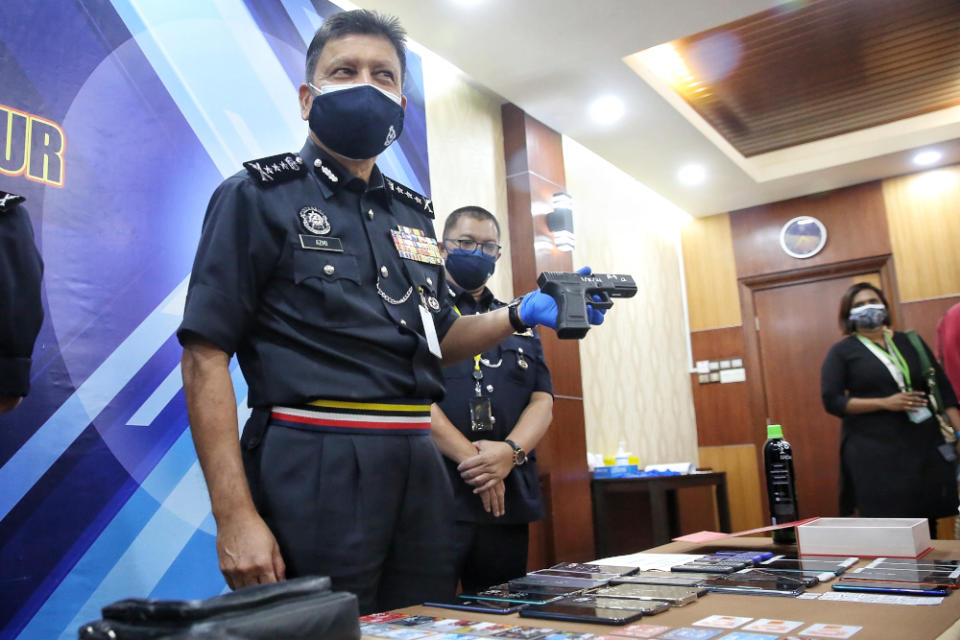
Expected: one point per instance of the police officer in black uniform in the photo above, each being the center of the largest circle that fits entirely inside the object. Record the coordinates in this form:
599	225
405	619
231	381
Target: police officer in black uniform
20	272
325	278
491	463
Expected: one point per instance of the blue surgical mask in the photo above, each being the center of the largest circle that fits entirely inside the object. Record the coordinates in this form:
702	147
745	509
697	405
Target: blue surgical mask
869	316
358	121
470	269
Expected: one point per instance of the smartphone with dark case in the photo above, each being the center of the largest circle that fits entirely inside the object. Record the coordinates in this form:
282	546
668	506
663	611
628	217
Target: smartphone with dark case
612	611
891	587
482	606
756	584
837	566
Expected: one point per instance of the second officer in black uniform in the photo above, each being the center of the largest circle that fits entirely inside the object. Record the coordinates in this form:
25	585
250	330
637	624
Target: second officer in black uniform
497	407
325	278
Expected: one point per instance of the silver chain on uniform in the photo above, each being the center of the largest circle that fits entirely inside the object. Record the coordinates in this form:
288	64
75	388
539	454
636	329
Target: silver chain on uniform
383	294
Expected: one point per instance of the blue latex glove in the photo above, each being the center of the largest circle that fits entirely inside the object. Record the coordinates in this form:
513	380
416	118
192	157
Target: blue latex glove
539	308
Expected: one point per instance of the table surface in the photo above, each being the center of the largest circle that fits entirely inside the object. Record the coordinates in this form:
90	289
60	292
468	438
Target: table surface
878	621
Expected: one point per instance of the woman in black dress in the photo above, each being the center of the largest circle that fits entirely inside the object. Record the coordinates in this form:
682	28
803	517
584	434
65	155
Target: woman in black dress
890	457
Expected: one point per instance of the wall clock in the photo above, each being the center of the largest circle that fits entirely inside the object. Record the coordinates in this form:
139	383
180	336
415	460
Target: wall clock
803	237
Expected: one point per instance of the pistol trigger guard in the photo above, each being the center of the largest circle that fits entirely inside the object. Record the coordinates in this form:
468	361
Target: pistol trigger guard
604	303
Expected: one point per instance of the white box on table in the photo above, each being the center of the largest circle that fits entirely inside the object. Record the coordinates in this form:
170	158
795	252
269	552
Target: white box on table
895	537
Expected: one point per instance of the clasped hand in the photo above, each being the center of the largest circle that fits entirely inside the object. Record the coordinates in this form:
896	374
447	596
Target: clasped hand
486	471
906	401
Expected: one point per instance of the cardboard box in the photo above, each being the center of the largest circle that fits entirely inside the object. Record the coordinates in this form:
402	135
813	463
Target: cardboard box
617	471
891	537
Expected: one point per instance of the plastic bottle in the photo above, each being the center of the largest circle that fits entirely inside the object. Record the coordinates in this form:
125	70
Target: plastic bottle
622	456
781	486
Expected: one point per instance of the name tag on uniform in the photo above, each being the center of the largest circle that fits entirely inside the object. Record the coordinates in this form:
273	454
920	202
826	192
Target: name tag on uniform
321	243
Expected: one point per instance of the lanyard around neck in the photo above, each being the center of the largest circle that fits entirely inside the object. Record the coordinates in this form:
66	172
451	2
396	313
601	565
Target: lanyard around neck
891	358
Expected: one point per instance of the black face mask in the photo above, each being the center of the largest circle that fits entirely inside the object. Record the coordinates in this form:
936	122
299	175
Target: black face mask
358	121
470	269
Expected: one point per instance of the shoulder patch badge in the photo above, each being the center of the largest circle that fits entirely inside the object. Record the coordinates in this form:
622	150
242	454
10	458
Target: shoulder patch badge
410	197
9	200
275	169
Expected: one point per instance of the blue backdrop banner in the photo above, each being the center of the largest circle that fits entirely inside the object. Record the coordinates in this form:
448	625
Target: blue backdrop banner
118	118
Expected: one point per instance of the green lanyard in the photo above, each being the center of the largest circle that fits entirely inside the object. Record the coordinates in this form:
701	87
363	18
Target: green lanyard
892	352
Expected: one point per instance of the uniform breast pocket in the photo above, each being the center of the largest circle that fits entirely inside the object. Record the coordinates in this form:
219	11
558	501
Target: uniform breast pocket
519	356
426	277
329	283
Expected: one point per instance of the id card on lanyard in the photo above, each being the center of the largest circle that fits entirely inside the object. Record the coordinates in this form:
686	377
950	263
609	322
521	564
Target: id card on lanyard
481	408
894	362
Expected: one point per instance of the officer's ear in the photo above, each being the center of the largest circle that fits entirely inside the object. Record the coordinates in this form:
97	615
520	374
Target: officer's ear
306	101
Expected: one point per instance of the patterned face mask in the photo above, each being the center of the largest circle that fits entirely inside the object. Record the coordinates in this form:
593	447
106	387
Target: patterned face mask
869	316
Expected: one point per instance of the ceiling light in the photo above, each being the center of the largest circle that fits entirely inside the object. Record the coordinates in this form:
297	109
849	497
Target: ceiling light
692	174
926	158
665	61
607	109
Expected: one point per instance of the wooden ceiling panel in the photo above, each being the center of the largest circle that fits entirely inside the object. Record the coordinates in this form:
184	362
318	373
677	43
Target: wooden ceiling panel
812	70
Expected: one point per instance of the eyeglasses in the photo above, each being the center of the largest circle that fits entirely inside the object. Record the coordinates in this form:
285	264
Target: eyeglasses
489	248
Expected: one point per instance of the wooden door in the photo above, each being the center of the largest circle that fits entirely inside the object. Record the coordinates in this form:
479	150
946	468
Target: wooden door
797	325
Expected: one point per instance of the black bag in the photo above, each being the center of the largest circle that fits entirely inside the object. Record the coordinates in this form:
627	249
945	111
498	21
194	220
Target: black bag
297	609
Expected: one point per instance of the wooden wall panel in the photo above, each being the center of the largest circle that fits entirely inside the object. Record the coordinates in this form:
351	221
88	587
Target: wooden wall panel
922	316
854	218
710	273
740	462
523	259
562	459
533	155
723	410
923	214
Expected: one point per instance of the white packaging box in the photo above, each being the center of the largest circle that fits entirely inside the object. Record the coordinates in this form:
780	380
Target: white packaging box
896	537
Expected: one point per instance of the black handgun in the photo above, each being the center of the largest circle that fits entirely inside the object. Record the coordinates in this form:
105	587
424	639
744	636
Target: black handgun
573	291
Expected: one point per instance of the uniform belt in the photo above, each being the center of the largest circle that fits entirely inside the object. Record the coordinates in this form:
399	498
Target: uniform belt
394	417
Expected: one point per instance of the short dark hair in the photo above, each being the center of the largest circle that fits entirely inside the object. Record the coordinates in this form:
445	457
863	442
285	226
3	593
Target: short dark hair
358	22
471	211
846	302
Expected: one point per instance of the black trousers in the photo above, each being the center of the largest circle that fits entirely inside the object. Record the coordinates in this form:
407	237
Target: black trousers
373	512
489	554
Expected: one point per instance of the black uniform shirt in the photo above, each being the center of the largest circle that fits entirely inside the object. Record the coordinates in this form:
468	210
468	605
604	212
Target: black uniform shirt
513	384
21	310
339	322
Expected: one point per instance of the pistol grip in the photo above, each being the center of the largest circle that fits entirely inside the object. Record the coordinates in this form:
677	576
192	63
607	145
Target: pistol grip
572	320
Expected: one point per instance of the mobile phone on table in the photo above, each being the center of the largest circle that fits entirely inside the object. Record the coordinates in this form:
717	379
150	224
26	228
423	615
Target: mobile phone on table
598	610
676	596
837	566
892	587
483	606
904	575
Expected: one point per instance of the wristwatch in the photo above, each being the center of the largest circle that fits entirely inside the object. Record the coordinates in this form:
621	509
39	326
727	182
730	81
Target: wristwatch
513	312
519	455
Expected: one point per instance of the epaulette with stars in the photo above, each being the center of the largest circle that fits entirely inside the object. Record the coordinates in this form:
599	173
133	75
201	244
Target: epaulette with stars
275	169
410	197
9	200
